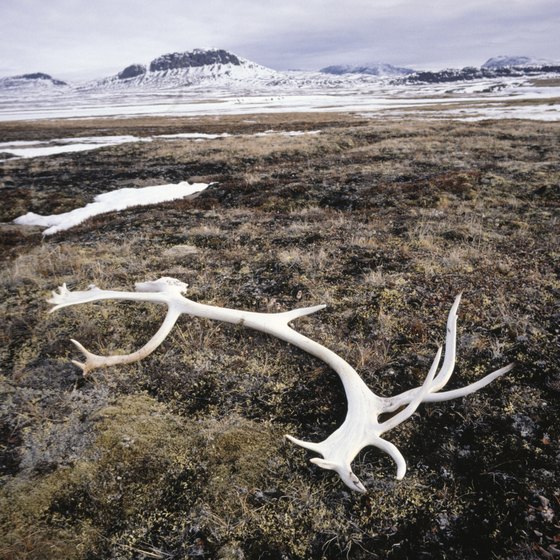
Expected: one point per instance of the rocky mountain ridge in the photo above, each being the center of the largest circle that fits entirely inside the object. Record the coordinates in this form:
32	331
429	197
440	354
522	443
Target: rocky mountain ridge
194	59
221	69
186	69
470	73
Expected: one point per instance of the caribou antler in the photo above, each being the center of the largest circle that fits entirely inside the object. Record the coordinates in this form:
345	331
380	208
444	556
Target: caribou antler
361	426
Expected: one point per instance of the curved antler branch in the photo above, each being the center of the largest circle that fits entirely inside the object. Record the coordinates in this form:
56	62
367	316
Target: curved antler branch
361	426
93	361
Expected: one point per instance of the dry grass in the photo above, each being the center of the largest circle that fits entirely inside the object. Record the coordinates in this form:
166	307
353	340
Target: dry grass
182	455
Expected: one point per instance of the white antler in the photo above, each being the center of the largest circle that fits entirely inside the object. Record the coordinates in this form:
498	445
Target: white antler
361	426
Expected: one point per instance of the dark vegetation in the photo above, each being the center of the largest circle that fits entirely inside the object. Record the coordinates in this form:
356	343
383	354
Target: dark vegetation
474	73
183	455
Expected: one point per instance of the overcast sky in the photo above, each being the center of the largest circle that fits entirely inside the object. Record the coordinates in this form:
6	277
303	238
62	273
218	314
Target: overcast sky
95	38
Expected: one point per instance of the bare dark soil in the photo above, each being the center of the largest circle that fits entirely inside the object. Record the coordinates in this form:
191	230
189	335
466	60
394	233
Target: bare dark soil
182	455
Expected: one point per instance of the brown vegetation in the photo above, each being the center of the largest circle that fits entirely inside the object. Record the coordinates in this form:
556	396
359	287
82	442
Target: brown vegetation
182	455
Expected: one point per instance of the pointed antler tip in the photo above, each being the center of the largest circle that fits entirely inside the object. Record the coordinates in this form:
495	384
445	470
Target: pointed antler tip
301	312
81	365
360	488
81	348
314	308
457	301
507	369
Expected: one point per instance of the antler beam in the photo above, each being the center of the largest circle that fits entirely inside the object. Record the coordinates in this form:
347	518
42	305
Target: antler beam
361	427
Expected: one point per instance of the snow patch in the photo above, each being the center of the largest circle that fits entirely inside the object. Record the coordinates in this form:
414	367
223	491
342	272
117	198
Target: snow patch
30	149
289	133
543	112
112	201
194	136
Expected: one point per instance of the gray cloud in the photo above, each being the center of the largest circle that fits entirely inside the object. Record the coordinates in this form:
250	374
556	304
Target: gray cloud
67	37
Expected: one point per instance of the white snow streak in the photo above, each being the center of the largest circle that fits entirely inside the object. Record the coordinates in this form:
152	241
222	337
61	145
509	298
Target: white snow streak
112	201
31	149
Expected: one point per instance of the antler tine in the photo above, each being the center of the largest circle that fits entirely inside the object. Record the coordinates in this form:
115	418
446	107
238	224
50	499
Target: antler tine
468	389
446	371
409	410
393	403
393	452
90	363
307	444
301	312
93	361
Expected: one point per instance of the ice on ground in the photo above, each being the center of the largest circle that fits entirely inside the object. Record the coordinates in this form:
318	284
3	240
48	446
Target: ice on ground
194	136
30	149
17	143
52	150
535	112
543	112
370	97
289	133
112	201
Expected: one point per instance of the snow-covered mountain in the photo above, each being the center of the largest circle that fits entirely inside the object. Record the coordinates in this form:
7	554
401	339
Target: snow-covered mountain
213	67
373	69
222	72
505	61
35	81
219	70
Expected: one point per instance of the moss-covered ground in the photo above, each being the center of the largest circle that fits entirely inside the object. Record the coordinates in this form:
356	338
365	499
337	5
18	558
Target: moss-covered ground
183	454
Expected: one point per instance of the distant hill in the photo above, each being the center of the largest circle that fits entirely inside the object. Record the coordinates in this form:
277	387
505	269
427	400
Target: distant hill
498	67
374	69
515	61
37	80
215	67
221	70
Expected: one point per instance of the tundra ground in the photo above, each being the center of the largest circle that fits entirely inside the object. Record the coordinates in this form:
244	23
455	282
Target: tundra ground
183	454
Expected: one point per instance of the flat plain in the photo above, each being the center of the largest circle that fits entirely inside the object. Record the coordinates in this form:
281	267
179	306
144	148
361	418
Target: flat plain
183	455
